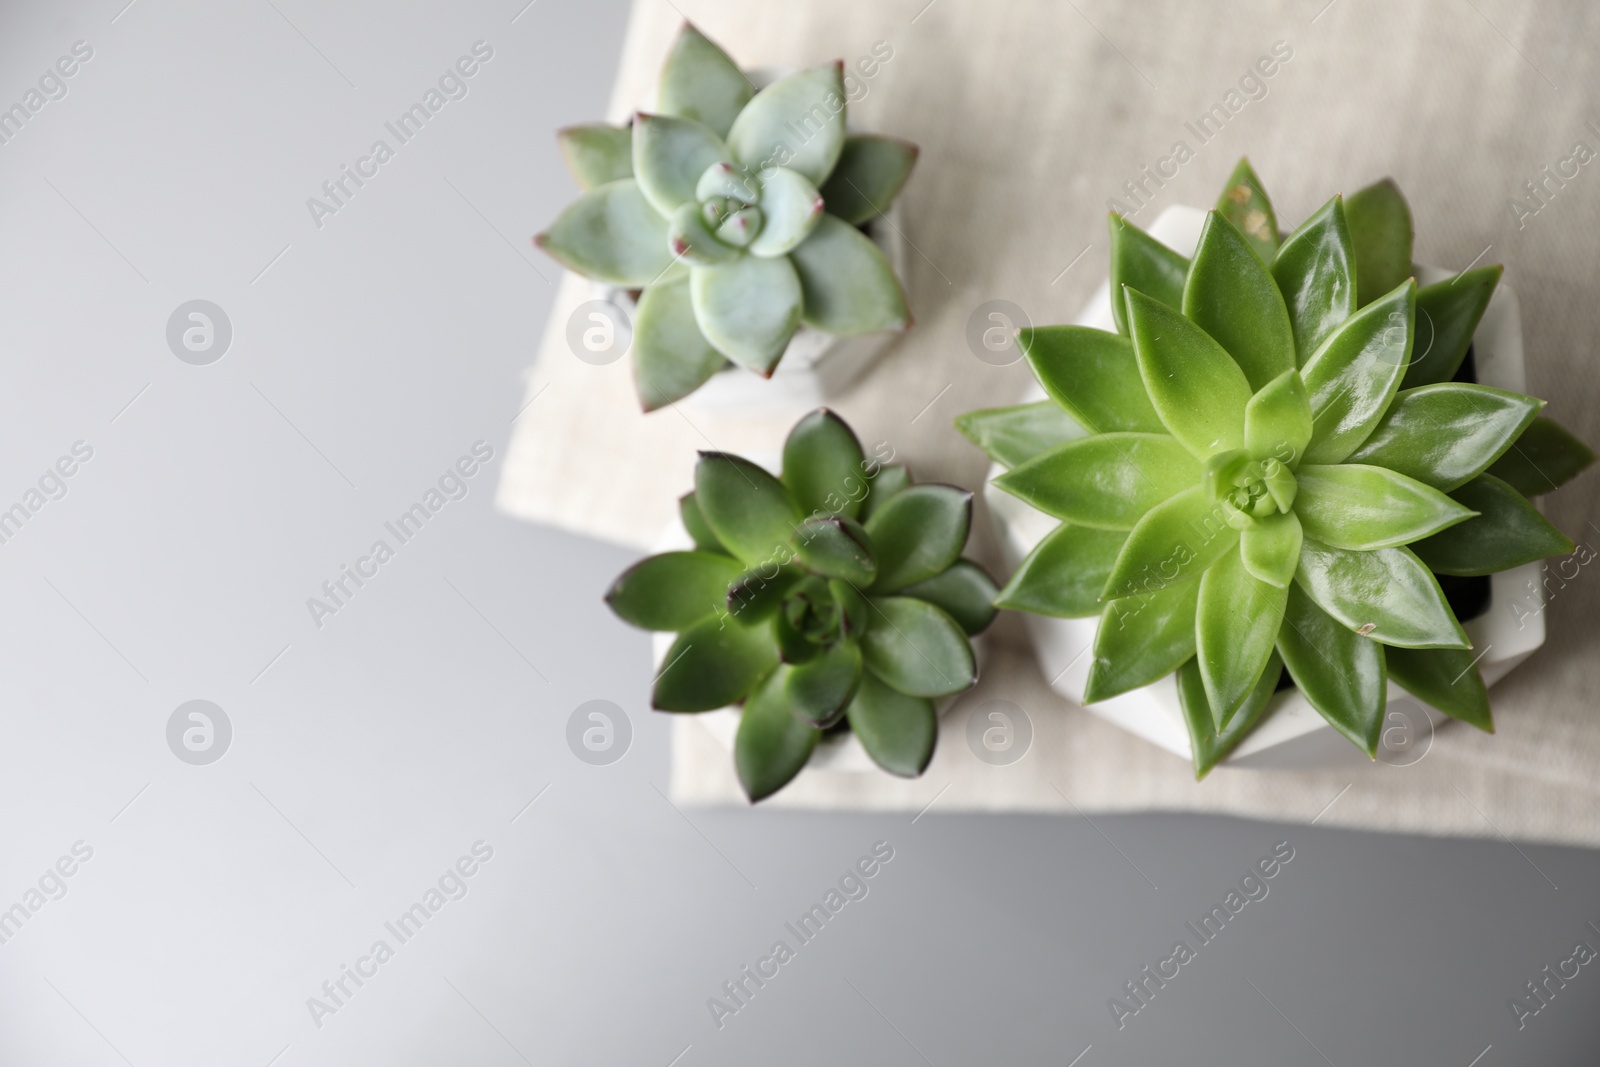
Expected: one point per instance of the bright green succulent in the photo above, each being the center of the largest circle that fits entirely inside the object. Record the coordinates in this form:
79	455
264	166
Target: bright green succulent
831	597
1264	469
737	214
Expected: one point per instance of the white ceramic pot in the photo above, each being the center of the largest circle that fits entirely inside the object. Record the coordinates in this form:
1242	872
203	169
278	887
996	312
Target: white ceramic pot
1292	734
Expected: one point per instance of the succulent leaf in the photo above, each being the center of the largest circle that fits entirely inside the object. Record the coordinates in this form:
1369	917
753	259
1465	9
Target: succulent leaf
1545	457
1236	629
694	523
1107	481
1445	678
1446	435
748	509
1172	544
917	648
1142	638
756	595
611	233
1316	271
1093	375
669	156
712	664
1013	435
854	611
1277	420
1065	573
1270	549
1340	672
1209	746
671	357
964	591
700	82
819	691
748	309
1380	232
897	730
806	109
1362	508
674	590
728	181
1141	263
1507	532
695	241
1194	384
1244	203
1448	314
794	647
1388	595
836	547
886	482
1352	378
741	228
918	534
823	466
849	286
869	175
790	207
1231	295
772	746
597	153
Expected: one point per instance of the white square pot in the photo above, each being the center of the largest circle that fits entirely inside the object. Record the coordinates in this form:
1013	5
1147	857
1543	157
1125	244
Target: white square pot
840	751
815	368
1291	734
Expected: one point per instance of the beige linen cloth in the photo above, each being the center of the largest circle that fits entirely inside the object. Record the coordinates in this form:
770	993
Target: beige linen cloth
1031	116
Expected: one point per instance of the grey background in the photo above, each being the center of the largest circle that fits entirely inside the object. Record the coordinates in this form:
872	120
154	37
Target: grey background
368	754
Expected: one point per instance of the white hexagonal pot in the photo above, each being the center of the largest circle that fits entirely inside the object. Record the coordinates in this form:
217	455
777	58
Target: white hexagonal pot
816	367
840	751
1291	734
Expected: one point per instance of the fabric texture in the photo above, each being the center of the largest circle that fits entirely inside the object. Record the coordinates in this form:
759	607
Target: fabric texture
1032	117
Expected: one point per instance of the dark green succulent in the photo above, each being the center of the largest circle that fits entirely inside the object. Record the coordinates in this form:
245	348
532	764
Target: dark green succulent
737	214
1262	471
833	596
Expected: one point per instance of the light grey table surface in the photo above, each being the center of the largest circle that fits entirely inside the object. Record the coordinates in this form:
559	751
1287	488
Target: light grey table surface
418	721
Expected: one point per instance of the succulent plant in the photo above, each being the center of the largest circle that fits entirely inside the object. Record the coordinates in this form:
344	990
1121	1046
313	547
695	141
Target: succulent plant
1263	470
833	596
737	214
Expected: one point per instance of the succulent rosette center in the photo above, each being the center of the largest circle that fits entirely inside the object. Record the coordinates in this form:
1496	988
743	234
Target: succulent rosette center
814	614
734	222
736	211
1247	489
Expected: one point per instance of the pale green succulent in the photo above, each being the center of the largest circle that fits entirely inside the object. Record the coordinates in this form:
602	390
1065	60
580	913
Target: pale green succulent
737	216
